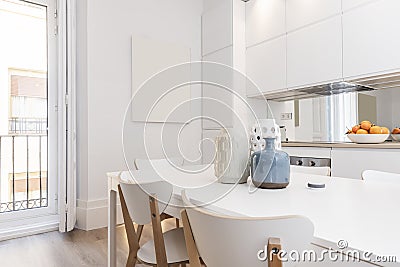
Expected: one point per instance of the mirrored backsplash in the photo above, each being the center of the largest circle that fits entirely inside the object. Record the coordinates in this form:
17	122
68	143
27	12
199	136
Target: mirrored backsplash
326	119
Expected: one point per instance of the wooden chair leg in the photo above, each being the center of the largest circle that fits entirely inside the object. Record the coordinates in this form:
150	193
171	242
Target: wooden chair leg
194	258
273	249
177	222
139	231
133	240
159	245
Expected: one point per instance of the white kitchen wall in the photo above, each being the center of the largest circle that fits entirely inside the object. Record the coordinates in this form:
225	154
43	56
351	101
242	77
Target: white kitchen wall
105	28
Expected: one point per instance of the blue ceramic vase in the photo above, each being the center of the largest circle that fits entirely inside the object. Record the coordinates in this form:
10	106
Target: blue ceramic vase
270	168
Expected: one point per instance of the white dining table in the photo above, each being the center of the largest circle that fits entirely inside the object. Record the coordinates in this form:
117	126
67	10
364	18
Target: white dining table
365	215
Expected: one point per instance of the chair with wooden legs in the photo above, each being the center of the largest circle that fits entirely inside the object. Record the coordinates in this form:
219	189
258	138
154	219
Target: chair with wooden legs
149	164
242	241
143	204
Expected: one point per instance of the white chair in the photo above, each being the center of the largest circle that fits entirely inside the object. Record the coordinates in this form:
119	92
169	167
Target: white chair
238	241
143	204
381	177
148	164
325	171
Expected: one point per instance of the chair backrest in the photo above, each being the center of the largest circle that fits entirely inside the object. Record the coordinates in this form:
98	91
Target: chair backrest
326	171
236	241
137	199
149	164
381	177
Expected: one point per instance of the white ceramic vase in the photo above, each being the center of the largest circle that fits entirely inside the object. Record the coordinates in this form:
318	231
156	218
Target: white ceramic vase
231	159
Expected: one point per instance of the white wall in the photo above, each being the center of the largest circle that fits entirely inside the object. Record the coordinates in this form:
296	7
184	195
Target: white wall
105	28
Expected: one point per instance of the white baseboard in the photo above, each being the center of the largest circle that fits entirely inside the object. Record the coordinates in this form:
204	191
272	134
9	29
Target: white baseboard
28	226
93	214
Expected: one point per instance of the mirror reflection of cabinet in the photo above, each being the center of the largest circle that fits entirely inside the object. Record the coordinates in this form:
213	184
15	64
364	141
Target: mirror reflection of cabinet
367	108
325	118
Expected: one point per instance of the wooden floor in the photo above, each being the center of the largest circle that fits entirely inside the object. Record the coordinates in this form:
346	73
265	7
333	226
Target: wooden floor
74	249
81	248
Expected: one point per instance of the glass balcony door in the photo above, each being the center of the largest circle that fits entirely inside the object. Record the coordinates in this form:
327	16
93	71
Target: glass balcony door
28	109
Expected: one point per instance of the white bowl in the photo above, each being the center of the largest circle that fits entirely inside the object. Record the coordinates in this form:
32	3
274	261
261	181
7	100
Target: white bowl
368	138
396	137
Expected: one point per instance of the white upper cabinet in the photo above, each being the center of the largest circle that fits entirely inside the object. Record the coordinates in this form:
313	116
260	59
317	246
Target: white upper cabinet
264	20
217	27
371	38
266	66
300	13
349	4
314	53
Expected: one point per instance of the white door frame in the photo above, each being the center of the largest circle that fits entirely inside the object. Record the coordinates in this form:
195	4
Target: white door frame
67	117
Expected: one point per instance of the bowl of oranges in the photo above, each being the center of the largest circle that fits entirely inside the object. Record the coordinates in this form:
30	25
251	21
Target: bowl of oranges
396	134
368	133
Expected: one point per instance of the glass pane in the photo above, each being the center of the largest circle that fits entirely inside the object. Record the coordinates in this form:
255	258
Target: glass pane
23	105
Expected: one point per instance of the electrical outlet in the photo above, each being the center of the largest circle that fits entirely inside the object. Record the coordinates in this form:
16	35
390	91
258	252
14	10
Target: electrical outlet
286	116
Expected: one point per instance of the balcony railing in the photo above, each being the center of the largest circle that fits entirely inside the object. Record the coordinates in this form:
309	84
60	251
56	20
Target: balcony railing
27	125
23	172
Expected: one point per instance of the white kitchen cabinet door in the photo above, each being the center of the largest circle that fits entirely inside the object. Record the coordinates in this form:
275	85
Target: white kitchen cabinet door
349	4
371	38
314	53
300	13
217	27
217	102
266	66
351	163
264	20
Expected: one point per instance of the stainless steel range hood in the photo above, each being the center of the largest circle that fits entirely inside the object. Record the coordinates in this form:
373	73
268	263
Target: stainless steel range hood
383	81
369	83
319	90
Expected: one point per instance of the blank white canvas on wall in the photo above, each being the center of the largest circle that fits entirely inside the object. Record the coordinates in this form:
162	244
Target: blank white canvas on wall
152	102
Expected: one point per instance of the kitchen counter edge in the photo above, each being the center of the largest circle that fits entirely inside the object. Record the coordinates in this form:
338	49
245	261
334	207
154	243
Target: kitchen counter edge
386	145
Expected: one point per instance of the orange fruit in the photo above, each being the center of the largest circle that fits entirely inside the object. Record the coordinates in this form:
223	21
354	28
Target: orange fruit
355	128
366	125
396	131
385	130
375	130
362	131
